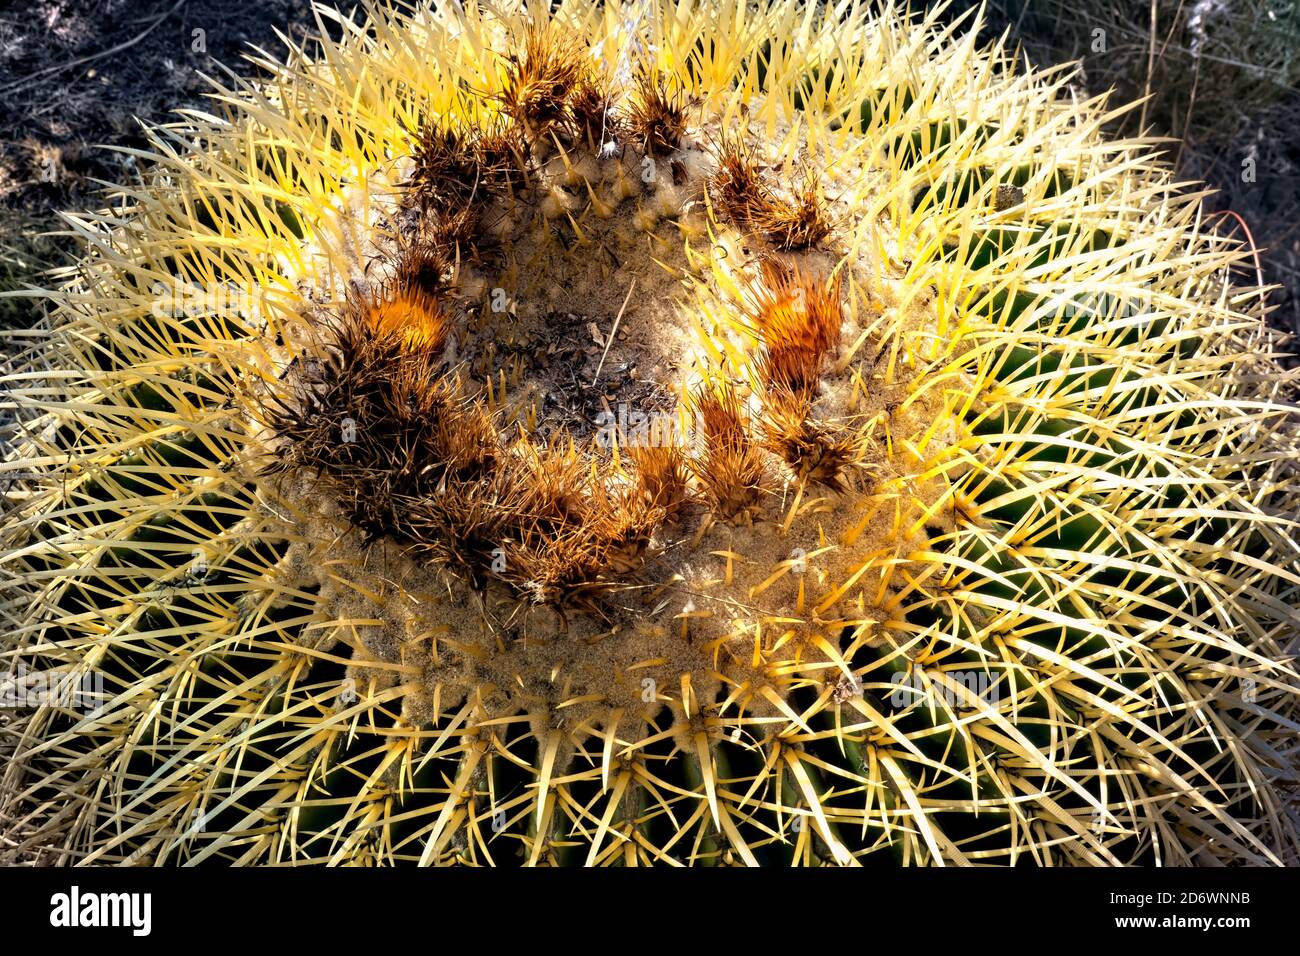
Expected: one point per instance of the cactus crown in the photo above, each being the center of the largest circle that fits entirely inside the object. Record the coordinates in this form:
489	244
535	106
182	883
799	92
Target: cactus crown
662	433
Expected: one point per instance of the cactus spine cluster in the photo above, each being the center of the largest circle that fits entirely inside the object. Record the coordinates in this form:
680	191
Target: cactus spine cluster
657	432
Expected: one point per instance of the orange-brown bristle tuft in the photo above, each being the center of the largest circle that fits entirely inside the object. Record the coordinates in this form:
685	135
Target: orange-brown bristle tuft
467	441
573	539
365	416
457	172
731	469
798	317
458	234
463	525
661	477
591	108
576	567
449	186
411	316
424	267
408	308
658	113
803	222
562	573
624	529
740	194
736	188
502	155
815	451
557	482
540	81
447	176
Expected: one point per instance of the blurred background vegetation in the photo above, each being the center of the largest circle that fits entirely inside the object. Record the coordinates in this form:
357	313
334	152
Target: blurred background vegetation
77	76
1222	78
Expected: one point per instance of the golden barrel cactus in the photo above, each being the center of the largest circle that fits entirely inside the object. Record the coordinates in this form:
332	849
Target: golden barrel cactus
651	432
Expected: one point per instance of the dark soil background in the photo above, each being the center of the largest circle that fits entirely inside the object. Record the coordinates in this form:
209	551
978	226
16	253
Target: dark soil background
1222	81
77	76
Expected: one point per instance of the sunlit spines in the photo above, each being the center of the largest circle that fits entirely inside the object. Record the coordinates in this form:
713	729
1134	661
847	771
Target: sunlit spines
797	218
540	78
818	452
657	116
730	470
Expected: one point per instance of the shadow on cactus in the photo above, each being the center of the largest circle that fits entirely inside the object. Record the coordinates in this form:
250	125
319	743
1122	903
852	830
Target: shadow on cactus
651	435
